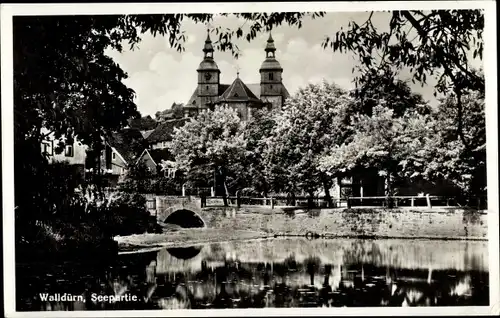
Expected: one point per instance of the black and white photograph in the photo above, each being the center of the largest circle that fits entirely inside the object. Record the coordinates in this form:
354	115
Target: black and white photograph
290	158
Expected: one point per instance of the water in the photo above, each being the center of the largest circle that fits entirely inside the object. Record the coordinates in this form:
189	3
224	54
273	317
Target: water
270	273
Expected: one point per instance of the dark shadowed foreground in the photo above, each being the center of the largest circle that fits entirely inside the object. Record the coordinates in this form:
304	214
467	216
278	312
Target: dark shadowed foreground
270	273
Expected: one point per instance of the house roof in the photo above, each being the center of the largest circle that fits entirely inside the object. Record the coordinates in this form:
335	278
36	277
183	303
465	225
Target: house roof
164	130
129	143
238	91
161	154
146	133
143	123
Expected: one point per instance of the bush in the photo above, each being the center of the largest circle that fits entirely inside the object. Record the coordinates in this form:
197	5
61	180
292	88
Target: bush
88	227
126	215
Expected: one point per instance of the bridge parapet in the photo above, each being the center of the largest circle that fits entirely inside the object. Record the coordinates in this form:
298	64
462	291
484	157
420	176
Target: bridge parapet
166	205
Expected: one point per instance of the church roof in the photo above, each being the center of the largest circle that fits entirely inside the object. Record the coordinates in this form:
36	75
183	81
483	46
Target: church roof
270	44
271	63
253	87
222	88
208	44
209	65
238	91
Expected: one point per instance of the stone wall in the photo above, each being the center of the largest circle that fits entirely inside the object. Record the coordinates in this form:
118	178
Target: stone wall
401	223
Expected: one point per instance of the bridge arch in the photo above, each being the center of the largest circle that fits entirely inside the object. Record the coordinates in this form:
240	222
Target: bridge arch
185	218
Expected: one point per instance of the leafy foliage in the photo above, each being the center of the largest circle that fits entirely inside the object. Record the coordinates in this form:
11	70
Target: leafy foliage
141	180
253	170
426	42
381	141
311	122
382	85
442	154
209	145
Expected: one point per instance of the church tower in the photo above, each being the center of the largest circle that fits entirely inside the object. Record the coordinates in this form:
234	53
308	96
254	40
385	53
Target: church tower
208	77
271	86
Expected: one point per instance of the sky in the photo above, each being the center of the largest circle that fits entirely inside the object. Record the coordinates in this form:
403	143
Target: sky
161	76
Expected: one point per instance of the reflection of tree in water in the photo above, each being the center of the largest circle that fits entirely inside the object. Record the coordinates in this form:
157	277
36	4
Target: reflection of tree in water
103	277
223	280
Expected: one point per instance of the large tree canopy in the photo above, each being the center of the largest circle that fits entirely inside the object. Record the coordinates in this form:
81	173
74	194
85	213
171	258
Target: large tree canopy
208	146
437	43
312	121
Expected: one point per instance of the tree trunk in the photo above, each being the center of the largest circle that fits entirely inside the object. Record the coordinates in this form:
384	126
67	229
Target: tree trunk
388	190
327	185
224	193
310	200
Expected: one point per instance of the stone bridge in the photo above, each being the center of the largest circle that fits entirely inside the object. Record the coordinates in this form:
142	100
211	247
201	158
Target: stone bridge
184	211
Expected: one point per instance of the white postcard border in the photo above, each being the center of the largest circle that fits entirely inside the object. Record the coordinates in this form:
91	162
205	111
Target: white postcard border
490	69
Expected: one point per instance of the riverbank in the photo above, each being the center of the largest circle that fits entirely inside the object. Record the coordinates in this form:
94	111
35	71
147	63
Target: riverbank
226	224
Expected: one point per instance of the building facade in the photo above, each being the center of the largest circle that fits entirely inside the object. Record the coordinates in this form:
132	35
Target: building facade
269	93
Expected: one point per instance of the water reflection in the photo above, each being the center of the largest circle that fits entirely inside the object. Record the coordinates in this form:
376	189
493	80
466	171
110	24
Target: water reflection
272	273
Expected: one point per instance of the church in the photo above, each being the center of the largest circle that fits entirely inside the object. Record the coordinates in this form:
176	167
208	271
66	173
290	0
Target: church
270	93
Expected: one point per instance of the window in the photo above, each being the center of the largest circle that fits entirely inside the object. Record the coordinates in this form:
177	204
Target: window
169	173
113	156
271	76
271	86
207	87
69	151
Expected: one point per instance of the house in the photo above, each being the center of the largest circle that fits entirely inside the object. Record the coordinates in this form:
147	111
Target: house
156	157
121	151
158	162
63	150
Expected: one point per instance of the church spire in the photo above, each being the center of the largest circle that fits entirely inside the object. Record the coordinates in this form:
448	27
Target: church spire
270	48
208	49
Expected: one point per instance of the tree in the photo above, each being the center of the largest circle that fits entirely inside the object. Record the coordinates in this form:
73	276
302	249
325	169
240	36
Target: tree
138	180
309	125
381	141
177	110
442	155
383	85
64	82
427	43
257	130
209	145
